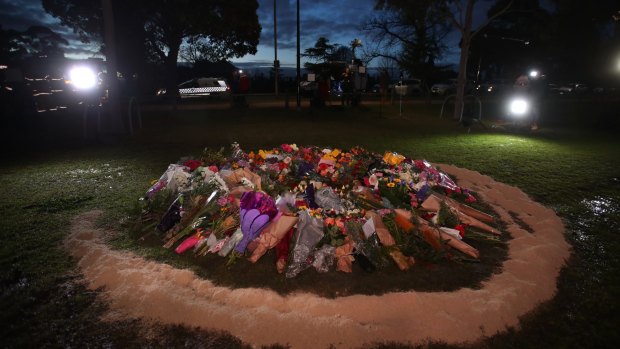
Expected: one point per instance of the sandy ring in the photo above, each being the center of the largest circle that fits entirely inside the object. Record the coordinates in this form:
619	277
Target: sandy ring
139	288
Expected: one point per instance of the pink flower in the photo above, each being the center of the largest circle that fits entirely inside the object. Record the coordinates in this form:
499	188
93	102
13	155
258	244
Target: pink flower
373	181
213	168
287	148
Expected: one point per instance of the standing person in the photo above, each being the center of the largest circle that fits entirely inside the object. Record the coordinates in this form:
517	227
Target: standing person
244	88
383	85
234	87
524	86
346	86
323	92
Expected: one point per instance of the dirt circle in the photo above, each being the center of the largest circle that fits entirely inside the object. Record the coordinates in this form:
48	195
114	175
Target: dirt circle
138	288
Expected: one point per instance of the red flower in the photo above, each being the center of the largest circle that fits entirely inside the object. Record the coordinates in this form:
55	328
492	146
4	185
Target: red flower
287	148
461	229
192	164
470	198
213	168
428	216
419	164
282	165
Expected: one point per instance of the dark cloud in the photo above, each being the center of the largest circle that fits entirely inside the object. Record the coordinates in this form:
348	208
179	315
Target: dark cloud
22	14
339	21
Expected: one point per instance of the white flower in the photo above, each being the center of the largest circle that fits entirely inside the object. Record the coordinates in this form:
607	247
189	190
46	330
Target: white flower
219	182
405	177
294	146
247	183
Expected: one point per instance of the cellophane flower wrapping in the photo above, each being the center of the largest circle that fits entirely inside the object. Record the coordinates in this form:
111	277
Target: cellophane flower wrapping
256	210
327	199
231	243
308	234
172	215
272	234
324	258
176	177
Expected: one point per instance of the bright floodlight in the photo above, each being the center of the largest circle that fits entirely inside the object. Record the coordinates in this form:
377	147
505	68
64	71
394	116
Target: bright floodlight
534	74
83	78
519	107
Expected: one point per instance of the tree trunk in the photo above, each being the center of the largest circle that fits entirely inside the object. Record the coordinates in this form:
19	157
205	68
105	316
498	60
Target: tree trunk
462	77
172	89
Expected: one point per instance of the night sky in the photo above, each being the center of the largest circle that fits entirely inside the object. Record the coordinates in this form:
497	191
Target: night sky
337	20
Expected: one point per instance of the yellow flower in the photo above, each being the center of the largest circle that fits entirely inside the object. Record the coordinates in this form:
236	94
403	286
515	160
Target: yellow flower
262	154
335	153
391	184
392	158
396	180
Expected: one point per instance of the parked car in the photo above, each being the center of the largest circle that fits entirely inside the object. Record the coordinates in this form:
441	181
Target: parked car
201	87
494	86
573	87
412	86
444	88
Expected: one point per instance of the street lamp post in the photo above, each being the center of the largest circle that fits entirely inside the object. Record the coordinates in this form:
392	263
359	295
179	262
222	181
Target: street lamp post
298	62
276	63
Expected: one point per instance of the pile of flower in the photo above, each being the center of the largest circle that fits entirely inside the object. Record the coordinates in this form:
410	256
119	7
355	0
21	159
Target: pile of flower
317	207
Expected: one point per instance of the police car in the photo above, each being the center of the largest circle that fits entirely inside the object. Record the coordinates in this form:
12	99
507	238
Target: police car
201	87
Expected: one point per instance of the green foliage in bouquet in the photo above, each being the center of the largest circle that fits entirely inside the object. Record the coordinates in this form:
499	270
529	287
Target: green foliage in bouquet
396	194
333	236
445	216
214	157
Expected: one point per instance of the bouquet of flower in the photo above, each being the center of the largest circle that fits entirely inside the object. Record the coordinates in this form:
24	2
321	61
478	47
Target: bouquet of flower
308	234
256	210
334	206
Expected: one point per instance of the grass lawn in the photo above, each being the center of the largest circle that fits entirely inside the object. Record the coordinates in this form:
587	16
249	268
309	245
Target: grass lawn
575	170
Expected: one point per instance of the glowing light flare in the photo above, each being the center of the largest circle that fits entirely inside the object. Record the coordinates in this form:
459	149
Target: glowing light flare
534	74
519	106
83	78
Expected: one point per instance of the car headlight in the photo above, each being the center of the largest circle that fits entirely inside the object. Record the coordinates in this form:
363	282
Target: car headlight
519	106
83	78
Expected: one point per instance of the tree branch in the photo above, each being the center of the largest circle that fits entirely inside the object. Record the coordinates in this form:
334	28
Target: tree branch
490	19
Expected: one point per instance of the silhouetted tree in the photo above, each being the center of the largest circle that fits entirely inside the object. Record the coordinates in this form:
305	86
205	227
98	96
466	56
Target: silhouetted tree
36	41
327	59
586	37
222	28
517	40
411	33
9	48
